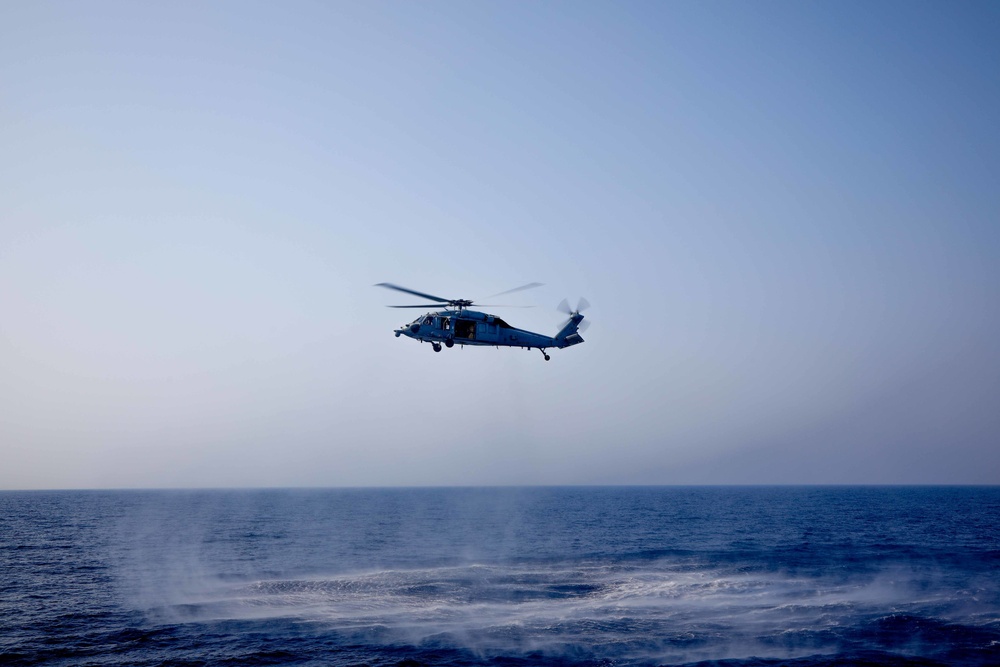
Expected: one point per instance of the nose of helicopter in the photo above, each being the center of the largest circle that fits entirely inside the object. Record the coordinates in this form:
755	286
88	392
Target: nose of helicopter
408	329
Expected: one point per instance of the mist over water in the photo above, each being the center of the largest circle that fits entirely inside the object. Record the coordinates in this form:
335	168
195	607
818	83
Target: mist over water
622	576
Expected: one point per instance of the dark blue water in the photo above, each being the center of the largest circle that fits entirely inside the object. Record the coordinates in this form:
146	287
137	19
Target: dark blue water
560	576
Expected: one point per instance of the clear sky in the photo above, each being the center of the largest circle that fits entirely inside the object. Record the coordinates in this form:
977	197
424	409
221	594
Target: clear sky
785	214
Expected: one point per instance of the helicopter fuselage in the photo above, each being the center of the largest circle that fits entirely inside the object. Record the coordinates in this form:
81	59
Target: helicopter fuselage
470	327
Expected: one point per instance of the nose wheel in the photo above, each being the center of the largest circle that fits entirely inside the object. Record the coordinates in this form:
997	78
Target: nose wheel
437	347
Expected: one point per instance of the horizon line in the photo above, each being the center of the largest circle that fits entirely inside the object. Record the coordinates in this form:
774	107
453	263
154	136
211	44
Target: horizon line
509	486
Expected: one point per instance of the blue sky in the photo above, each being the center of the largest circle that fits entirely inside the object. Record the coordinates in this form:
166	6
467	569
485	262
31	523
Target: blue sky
785	215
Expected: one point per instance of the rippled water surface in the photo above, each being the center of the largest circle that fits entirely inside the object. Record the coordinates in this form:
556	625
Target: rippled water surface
588	576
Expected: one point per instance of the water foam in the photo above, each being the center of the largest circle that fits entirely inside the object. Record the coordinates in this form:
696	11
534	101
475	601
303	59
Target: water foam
667	611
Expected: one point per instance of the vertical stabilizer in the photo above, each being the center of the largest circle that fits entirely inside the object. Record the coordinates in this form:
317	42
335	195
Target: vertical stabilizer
570	333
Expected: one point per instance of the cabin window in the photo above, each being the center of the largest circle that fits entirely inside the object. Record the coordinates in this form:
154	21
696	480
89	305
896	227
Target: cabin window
487	329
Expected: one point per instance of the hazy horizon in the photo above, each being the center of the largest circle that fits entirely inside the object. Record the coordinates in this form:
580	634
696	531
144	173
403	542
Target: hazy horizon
444	487
785	216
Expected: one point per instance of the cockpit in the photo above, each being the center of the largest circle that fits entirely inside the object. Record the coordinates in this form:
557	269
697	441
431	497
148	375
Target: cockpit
433	321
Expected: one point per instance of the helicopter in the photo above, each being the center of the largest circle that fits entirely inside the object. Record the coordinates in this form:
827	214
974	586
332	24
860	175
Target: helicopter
457	324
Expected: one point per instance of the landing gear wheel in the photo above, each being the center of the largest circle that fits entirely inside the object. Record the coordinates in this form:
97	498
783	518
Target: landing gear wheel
449	343
437	347
547	357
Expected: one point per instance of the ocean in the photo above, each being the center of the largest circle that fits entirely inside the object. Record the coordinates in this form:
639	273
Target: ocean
734	576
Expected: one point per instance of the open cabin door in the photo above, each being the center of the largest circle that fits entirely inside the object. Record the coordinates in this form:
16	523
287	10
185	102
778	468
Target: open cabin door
465	329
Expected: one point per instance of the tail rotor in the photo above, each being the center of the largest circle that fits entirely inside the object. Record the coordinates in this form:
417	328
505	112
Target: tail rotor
574	315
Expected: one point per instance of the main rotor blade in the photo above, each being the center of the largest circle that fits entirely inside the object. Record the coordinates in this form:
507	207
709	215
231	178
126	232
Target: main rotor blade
426	306
413	292
516	289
